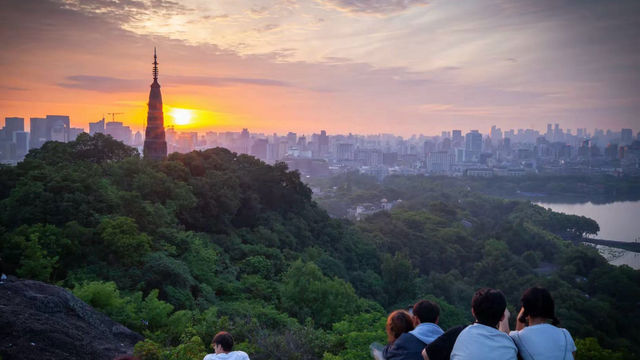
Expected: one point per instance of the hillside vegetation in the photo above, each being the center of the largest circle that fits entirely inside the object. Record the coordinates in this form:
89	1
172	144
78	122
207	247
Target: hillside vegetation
208	241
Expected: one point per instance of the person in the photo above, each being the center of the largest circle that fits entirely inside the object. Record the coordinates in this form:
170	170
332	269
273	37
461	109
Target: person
440	348
222	344
537	334
482	339
402	345
426	315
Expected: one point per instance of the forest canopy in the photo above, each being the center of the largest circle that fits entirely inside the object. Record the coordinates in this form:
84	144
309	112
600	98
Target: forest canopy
212	240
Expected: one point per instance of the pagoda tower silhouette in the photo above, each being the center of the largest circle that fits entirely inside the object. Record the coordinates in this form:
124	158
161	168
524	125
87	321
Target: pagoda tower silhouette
155	145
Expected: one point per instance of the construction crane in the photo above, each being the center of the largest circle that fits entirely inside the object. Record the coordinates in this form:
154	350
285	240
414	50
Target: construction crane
113	115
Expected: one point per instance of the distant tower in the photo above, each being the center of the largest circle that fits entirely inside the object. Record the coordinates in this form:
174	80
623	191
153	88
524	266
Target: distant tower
155	145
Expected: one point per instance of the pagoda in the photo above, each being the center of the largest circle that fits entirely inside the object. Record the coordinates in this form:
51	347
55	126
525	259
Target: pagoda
155	145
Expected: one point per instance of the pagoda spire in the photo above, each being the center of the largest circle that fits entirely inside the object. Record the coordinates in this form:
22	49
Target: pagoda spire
155	65
155	145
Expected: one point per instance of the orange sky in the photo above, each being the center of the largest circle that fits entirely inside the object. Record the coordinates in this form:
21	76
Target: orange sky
343	66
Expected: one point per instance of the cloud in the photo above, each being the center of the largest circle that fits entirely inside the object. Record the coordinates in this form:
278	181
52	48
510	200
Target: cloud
101	83
373	7
225	81
266	28
126	10
13	88
108	84
582	73
258	12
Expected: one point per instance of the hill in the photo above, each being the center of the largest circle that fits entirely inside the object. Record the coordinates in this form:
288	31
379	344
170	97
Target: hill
207	241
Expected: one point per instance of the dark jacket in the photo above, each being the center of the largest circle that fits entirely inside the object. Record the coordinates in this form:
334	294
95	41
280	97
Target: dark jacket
406	347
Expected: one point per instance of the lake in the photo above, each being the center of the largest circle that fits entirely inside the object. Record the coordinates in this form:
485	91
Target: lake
618	221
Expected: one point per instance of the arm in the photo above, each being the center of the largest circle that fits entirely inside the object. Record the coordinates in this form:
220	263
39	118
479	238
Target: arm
424	354
519	324
504	323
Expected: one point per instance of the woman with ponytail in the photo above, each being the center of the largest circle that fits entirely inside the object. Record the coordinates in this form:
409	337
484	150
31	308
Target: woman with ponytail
537	334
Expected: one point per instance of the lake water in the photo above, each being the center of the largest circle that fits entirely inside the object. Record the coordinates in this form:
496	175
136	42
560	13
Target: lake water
618	221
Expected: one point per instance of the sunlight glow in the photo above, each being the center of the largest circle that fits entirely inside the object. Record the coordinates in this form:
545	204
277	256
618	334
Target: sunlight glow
181	116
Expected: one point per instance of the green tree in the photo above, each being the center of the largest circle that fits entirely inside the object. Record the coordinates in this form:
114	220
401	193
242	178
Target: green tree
125	244
306	293
398	280
589	349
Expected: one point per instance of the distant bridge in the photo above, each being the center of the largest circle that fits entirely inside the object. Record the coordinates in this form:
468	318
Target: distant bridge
625	245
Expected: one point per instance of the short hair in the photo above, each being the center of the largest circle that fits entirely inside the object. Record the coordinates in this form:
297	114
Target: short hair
398	323
426	311
537	302
488	306
224	339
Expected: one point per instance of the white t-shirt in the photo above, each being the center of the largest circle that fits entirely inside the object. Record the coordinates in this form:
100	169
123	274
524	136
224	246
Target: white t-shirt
544	341
233	355
482	342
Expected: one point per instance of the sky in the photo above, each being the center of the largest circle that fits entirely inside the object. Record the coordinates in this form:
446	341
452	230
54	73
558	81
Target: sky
361	66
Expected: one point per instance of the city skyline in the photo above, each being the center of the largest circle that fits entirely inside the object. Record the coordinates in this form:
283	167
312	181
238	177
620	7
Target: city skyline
354	67
104	120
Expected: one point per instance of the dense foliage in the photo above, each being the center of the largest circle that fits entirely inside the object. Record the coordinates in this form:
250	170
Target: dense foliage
211	241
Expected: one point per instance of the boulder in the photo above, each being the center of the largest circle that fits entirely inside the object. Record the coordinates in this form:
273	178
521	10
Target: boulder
41	321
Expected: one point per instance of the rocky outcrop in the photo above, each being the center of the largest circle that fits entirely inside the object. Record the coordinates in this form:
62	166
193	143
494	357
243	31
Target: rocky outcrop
41	321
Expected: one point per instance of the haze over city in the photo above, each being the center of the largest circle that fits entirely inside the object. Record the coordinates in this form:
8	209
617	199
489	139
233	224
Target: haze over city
402	67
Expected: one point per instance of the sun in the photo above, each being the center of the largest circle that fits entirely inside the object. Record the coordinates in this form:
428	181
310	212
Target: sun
181	116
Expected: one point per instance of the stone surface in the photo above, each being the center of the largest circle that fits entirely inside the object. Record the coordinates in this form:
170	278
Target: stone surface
42	321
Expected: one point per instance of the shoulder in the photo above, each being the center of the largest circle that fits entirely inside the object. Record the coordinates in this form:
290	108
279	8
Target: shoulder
408	338
451	334
441	347
210	357
405	341
565	331
241	355
571	345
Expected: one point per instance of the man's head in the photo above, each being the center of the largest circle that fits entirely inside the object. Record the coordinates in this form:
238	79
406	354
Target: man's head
222	342
426	311
488	306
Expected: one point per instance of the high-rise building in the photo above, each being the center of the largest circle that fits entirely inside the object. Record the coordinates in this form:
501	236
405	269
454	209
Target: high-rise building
427	147
626	136
473	144
302	142
37	132
291	138
440	161
456	138
445	145
58	128
323	143
74	132
155	145
496	134
11	125
137	139
345	152
96	127
390	158
259	149
21	139
611	151
118	131
506	144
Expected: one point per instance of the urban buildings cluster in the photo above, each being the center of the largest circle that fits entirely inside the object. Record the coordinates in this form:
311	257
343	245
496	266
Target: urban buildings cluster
507	153
15	142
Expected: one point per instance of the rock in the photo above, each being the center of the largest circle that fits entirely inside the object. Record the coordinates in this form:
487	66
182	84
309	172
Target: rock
41	321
